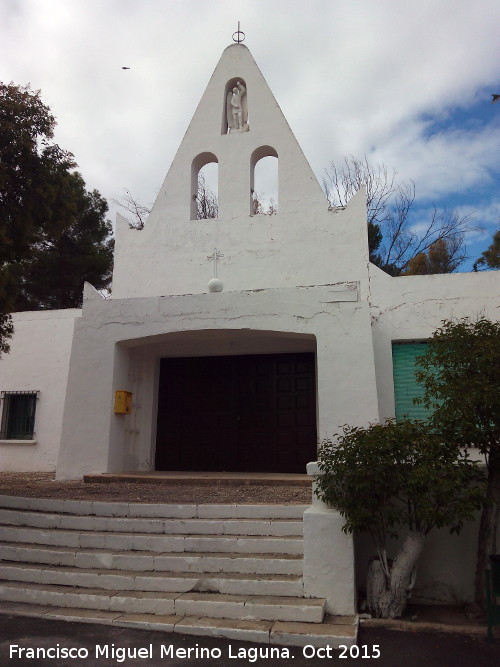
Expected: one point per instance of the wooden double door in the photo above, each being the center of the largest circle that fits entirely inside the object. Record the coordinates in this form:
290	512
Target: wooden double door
248	413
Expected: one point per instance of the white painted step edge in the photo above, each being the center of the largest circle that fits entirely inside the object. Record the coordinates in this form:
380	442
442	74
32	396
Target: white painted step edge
46	520
243	607
261	632
178	582
154	510
152	542
152	561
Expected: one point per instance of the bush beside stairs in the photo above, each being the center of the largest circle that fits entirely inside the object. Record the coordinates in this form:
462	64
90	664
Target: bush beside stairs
232	571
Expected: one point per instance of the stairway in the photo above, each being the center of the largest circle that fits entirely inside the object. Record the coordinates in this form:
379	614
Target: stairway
232	571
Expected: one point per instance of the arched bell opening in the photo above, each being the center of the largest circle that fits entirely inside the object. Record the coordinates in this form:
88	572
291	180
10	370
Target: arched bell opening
204	187
264	188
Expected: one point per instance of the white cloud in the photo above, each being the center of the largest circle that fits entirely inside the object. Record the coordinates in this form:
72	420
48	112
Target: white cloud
486	220
352	77
446	162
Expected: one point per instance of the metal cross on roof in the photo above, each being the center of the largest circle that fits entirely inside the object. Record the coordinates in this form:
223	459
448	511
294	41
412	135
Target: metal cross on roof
238	34
214	257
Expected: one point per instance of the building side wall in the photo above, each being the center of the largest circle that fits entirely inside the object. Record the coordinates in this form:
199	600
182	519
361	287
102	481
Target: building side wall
445	570
413	307
38	360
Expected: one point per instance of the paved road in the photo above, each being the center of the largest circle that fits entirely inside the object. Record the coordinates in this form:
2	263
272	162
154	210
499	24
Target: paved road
397	649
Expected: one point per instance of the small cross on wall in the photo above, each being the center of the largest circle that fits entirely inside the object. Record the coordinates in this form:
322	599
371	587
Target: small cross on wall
214	257
214	284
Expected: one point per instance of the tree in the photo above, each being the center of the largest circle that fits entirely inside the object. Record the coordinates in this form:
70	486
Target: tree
260	208
137	213
439	258
393	240
6	331
207	205
460	373
396	479
72	247
490	258
26	125
44	211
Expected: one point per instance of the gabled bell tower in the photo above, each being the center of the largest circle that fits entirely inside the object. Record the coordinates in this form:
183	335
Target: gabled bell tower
237	123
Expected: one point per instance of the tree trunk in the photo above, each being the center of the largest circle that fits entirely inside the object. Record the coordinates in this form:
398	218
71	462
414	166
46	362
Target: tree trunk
375	585
387	596
486	542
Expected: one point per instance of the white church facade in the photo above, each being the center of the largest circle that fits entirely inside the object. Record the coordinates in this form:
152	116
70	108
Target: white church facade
298	335
298	342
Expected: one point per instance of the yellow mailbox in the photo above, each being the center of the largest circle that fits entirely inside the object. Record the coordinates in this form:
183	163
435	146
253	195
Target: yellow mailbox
123	402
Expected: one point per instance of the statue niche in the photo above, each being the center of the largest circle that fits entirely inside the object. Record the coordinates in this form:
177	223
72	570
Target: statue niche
236	110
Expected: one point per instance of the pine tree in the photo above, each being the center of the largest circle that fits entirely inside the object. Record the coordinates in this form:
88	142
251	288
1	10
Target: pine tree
53	233
439	258
491	256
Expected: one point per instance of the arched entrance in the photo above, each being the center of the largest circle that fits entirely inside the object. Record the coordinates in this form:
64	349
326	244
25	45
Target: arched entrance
249	412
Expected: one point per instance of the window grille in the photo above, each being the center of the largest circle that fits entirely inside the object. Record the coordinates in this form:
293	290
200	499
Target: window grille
18	414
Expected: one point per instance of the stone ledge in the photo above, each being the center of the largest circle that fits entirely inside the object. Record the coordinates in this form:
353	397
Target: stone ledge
423	626
18	442
333	632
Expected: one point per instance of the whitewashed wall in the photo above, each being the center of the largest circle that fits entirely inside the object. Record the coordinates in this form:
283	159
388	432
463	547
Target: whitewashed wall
304	244
38	360
118	345
312	247
412	307
446	568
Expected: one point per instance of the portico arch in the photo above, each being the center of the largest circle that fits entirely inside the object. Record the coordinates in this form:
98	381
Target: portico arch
234	400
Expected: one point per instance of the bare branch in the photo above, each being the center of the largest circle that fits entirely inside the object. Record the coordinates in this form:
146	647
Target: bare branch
394	238
207	205
259	208
138	212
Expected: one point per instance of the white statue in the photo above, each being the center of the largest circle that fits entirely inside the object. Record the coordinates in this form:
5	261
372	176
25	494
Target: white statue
237	109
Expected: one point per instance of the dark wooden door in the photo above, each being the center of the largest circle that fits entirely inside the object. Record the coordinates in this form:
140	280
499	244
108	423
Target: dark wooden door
251	413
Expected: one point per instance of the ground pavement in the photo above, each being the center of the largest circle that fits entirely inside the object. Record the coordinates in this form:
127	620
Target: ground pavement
93	643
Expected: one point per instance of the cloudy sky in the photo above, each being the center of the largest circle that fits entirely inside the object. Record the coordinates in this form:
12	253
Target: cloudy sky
407	84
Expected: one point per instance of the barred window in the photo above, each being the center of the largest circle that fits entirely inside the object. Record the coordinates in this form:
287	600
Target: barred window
18	414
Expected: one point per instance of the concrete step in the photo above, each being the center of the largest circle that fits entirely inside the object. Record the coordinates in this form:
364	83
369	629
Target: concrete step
213	605
190	526
205	478
285	544
150	510
332	632
153	561
178	582
232	571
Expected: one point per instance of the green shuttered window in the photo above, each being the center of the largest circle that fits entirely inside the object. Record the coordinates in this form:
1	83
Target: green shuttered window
406	387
